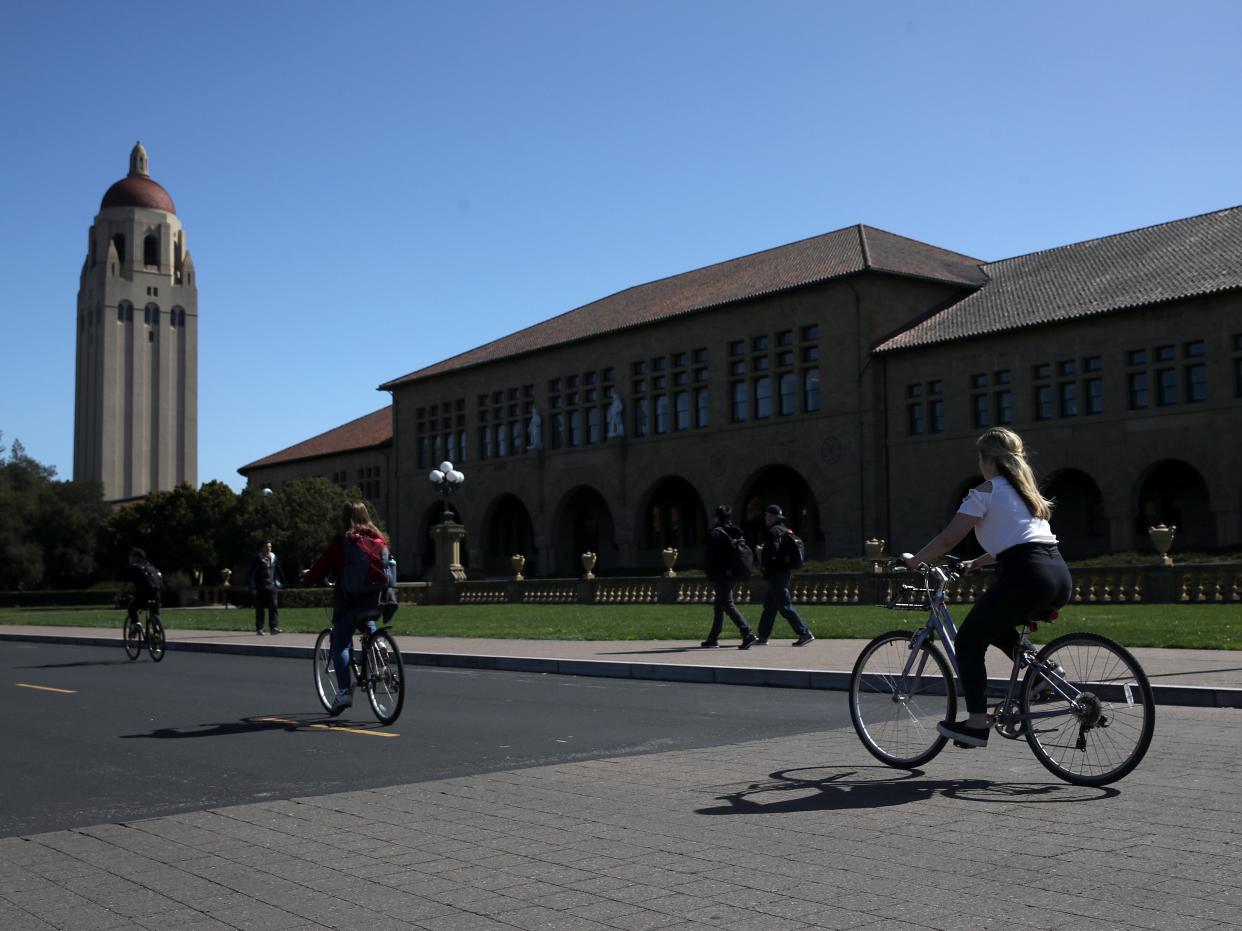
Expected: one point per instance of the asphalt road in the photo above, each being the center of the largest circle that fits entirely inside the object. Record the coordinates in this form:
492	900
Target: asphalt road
90	737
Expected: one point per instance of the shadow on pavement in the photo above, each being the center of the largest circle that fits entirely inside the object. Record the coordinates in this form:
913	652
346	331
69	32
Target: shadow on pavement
253	725
102	662
796	790
691	649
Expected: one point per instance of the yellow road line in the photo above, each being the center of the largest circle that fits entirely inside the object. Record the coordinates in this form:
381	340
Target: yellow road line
333	727
46	688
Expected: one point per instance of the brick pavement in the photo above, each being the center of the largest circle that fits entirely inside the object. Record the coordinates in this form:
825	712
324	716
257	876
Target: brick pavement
789	833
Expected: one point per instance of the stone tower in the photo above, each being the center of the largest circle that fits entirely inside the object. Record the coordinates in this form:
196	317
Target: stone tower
136	406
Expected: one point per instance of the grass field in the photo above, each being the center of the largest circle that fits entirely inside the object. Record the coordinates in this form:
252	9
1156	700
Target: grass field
1213	627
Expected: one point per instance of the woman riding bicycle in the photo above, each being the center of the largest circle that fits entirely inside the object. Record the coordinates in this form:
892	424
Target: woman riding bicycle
350	610
1010	520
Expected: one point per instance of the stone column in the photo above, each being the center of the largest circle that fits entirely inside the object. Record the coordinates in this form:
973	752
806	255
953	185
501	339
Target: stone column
448	569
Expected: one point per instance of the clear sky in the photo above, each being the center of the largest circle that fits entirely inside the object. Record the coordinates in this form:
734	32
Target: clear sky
370	187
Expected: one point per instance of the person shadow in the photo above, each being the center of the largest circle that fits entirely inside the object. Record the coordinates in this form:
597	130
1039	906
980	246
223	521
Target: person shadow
254	724
818	789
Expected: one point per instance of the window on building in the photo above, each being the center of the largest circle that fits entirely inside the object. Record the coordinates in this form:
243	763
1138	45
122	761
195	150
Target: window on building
737	347
758	344
810	333
739	407
1068	392
788	385
979	415
810	390
592	425
574	432
640	417
461	452
702	408
914	419
763	397
557	429
1004	406
661	413
681	410
935	415
1093	395
1138	391
151	251
1166	387
502	440
516	440
1195	371
1043	402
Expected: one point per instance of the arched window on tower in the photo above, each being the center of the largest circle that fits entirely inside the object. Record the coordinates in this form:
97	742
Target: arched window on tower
118	240
124	312
151	250
176	317
151	315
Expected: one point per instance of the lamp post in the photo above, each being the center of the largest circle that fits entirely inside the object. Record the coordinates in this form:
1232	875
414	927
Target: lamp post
446	480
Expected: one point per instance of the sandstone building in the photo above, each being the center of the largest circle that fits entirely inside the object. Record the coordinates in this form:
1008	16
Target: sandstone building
136	403
844	377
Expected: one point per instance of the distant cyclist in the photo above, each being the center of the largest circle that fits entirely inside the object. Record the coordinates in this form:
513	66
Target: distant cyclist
360	542
145	583
1010	520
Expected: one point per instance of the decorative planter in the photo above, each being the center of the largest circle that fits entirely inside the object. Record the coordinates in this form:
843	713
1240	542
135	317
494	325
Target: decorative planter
226	574
1162	538
874	549
588	564
518	562
669	555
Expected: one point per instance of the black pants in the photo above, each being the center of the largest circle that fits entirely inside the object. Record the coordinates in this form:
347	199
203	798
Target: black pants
776	600
266	598
723	604
1029	578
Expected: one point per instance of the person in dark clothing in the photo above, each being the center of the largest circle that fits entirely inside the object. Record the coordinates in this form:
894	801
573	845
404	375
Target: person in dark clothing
721	547
266	580
776	571
145	591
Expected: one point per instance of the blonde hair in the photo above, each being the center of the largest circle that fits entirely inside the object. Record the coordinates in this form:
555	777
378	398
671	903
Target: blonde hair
355	517
1004	447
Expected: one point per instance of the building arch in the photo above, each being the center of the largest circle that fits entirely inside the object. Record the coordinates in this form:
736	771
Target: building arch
508	530
1078	518
151	250
671	514
783	486
1174	492
583	522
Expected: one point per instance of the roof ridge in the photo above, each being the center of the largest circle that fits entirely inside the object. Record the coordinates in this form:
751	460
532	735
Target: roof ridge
1137	229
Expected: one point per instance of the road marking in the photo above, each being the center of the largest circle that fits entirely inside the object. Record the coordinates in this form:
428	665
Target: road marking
333	727
46	688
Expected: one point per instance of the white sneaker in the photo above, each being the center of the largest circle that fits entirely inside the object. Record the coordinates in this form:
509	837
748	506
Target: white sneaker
344	699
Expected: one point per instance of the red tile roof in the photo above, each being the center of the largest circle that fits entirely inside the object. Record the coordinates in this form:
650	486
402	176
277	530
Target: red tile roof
820	258
375	429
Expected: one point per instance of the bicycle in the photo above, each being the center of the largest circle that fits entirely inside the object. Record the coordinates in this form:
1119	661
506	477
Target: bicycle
1084	704
375	667
148	633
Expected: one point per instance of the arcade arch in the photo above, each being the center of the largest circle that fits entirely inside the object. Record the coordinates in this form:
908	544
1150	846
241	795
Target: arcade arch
508	530
1174	493
672	515
782	485
583	523
1077	513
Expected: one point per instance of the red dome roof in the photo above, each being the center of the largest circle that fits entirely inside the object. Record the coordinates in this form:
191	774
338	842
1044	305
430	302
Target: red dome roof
138	191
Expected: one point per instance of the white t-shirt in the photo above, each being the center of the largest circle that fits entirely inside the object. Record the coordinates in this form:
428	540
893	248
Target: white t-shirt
1007	521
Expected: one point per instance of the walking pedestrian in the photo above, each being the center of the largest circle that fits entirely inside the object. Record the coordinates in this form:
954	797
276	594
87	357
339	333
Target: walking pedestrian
782	553
724	566
266	580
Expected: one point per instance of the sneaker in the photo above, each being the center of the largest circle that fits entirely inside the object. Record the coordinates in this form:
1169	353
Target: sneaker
258	633
759	643
709	643
963	736
806	638
747	640
275	631
344	699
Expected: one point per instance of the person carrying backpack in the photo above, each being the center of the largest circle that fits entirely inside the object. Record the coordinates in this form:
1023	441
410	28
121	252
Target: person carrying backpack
783	552
365	575
146	583
728	560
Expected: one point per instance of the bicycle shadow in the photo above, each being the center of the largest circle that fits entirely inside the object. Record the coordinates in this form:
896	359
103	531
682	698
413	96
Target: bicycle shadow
855	788
255	724
691	649
100	662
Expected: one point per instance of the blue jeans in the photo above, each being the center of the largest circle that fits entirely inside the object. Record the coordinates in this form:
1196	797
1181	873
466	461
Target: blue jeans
342	635
776	600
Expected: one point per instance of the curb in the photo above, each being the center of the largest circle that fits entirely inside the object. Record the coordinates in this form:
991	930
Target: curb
1195	696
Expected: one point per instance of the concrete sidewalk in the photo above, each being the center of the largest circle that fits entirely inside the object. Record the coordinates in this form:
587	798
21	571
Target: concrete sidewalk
1211	678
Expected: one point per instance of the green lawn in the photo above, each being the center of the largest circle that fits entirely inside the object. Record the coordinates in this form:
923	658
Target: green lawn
1217	627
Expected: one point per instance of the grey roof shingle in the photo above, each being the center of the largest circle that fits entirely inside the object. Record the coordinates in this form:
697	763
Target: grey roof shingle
1170	261
820	258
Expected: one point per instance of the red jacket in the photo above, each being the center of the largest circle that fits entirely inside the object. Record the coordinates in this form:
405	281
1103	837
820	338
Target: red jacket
332	560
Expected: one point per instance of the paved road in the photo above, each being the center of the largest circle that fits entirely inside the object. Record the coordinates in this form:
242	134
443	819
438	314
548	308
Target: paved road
789	831
135	740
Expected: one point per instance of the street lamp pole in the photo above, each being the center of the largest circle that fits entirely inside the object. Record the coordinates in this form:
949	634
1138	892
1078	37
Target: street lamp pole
446	480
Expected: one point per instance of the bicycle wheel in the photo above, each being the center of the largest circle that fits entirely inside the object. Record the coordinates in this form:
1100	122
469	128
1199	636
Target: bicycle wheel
155	638
1105	731
133	637
896	715
385	677
325	670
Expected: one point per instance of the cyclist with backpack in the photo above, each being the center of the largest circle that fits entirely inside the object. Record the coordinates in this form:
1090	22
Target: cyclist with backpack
146	582
783	552
728	559
359	560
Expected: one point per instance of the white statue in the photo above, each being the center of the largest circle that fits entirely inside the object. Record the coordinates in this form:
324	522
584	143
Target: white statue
616	423
535	430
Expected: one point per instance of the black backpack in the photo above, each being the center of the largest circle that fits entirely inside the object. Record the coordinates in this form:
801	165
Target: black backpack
743	558
152	577
793	550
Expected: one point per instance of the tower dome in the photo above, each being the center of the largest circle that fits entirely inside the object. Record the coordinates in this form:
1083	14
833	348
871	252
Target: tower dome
137	189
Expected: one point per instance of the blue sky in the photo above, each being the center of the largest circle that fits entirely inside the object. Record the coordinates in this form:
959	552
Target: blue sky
369	188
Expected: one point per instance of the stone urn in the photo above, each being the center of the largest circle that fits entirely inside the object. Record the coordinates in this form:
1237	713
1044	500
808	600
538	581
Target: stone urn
226	574
518	561
588	565
669	555
874	549
1162	538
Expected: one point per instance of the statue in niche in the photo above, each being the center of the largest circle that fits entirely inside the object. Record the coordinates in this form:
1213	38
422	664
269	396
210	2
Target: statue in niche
534	430
616	422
